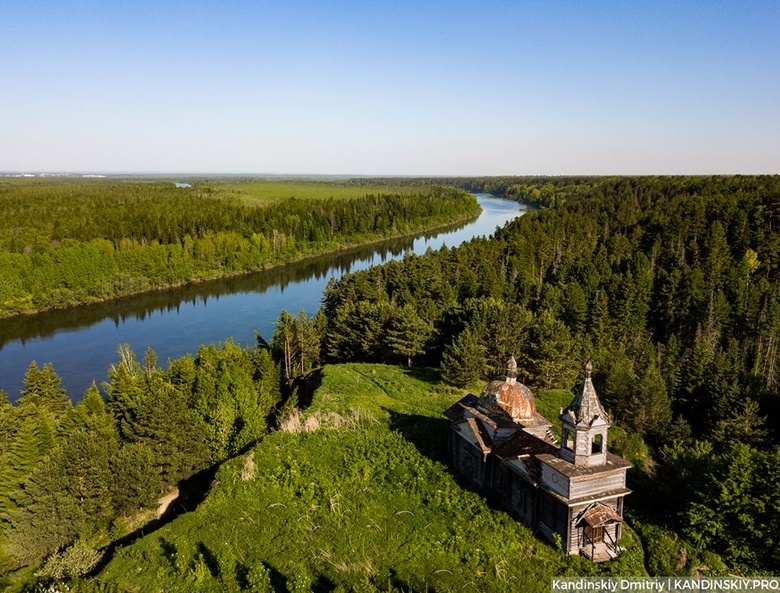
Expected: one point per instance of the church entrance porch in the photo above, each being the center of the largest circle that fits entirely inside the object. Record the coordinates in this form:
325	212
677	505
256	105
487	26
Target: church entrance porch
598	525
599	552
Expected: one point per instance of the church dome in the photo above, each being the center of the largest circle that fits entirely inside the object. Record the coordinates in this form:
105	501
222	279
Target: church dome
508	396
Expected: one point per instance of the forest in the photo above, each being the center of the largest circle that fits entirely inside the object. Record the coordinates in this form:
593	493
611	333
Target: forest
669	285
71	476
68	242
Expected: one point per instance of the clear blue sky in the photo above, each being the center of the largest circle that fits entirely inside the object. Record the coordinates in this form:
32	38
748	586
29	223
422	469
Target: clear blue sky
371	87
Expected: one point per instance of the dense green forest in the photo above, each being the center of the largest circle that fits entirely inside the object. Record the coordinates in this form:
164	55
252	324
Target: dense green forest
66	242
74	478
668	285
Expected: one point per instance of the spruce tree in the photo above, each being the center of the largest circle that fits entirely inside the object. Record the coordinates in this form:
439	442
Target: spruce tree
407	333
32	440
463	361
551	357
43	387
9	421
67	495
135	482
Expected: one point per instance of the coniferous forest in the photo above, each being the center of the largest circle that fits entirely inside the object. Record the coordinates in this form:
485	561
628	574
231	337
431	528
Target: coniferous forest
669	285
69	242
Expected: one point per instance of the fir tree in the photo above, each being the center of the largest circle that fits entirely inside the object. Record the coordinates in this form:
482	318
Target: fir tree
135	482
407	333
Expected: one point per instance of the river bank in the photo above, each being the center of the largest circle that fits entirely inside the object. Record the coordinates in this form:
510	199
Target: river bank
81	342
316	251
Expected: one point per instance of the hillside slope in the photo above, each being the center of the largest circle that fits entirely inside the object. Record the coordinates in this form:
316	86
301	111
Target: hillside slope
354	494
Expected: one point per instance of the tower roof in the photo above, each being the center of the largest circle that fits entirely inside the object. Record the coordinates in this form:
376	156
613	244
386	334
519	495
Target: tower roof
585	407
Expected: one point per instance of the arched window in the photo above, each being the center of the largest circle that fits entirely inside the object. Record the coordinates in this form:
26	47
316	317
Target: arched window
597	445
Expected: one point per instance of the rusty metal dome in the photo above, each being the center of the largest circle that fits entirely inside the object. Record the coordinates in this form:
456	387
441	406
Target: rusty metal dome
515	399
509	396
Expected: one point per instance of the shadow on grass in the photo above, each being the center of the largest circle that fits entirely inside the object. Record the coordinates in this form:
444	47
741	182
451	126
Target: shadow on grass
192	492
427	434
428	375
307	385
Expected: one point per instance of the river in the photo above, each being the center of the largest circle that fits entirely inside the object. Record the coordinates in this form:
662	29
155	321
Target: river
81	342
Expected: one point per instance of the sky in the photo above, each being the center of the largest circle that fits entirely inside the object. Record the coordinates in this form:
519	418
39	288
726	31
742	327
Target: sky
342	87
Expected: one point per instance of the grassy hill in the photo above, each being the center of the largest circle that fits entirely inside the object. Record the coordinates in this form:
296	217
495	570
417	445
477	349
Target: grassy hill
353	494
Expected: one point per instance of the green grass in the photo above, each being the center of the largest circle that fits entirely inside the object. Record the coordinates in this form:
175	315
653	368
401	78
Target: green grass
367	503
259	192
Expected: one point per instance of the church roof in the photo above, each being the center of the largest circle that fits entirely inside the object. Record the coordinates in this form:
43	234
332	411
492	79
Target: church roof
469	406
585	407
523	443
481	436
568	469
521	449
509	396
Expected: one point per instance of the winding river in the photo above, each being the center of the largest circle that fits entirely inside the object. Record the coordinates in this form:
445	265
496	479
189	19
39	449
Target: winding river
81	342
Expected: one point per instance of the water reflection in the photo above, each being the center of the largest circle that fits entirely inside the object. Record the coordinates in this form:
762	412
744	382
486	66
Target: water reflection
81	342
170	301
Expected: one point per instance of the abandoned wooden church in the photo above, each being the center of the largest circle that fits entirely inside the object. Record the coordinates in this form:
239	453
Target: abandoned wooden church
573	490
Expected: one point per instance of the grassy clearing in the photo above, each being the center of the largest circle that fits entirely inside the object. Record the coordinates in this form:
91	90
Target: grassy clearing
364	504
259	192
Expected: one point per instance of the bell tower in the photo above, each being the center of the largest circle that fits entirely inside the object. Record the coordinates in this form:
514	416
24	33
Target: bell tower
585	426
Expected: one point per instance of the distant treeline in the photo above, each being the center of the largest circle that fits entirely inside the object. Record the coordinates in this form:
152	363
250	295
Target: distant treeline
669	285
64	243
534	190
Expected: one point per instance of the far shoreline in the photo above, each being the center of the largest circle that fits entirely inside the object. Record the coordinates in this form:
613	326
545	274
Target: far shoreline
236	274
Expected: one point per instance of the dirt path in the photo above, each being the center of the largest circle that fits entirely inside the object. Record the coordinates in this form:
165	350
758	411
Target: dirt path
166	501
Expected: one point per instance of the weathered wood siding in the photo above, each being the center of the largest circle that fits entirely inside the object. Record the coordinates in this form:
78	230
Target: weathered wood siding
469	462
522	499
555	480
597	484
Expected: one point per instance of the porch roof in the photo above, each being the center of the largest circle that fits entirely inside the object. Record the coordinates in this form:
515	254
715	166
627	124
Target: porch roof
598	515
